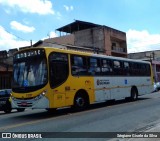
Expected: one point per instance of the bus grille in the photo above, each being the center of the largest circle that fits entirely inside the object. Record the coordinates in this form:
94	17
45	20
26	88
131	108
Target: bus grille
24	104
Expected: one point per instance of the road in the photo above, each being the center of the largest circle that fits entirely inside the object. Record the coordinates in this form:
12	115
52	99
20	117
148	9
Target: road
119	116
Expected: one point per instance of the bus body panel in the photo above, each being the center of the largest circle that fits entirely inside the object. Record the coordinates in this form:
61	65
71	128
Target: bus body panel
98	88
34	99
107	88
80	83
102	89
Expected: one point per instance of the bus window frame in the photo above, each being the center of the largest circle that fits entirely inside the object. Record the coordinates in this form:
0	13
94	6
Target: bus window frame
108	67
22	59
92	69
79	70
53	61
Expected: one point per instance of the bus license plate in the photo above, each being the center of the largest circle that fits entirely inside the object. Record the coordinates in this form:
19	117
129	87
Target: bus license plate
24	104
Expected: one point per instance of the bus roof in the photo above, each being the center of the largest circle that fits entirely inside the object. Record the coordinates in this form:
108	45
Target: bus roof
65	50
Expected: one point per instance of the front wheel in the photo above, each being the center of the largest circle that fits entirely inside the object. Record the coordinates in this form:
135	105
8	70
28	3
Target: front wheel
20	109
51	110
8	107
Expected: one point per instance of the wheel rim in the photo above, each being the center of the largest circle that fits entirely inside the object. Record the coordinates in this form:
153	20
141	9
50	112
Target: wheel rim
80	102
7	110
134	95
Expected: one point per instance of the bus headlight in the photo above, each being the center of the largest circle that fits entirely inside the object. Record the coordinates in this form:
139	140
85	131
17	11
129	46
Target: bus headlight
41	95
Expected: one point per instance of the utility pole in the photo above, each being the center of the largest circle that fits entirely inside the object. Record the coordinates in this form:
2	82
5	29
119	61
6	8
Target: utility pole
153	55
31	42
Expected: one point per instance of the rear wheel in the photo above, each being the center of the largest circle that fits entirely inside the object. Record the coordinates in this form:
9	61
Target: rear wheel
81	102
134	94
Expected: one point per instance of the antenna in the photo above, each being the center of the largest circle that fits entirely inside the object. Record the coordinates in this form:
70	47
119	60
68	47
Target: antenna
48	35
31	42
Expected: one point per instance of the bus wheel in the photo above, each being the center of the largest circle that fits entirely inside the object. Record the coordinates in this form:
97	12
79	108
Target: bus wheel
7	110
8	107
80	102
51	110
134	94
20	109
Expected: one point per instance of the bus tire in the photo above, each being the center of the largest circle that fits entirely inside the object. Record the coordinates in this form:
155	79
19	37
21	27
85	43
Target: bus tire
20	109
51	110
8	107
81	101
134	94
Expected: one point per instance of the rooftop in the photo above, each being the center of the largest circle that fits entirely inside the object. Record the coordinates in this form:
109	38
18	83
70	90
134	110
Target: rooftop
76	26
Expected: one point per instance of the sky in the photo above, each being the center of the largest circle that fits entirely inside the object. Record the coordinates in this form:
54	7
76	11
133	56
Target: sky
24	20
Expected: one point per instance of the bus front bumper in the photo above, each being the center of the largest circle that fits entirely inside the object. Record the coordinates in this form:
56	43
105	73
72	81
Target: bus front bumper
42	103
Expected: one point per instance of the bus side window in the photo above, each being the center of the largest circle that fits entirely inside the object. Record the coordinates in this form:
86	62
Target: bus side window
94	66
126	68
142	70
133	69
139	68
78	64
117	65
148	70
59	69
106	67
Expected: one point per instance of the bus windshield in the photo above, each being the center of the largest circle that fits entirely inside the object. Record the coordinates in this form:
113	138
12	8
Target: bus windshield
29	73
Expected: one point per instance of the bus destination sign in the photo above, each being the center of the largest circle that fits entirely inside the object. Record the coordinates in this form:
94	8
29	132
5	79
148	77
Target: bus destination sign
29	53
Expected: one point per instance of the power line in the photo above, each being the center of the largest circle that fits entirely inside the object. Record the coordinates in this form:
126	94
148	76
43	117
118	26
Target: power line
14	35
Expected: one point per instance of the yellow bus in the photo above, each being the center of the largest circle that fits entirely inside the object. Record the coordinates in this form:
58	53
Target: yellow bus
51	78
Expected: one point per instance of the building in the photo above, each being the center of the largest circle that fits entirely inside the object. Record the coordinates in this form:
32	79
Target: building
153	57
5	69
92	36
79	35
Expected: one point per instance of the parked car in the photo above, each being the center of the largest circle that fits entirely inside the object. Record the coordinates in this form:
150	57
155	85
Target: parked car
5	104
156	87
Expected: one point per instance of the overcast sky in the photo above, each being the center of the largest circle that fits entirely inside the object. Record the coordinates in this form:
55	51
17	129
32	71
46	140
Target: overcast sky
25	20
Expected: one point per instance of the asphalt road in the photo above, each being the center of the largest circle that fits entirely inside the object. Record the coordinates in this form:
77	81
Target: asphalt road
119	116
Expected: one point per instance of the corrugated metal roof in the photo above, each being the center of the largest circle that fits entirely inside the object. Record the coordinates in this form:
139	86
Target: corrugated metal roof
77	26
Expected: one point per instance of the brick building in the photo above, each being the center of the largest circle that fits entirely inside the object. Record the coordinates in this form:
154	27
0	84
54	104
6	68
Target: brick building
107	40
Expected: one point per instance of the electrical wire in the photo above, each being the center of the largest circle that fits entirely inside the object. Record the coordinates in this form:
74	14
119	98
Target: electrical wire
14	35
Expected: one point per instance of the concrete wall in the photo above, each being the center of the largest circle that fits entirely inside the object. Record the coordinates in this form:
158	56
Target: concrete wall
107	43
101	37
140	55
68	39
93	37
113	36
